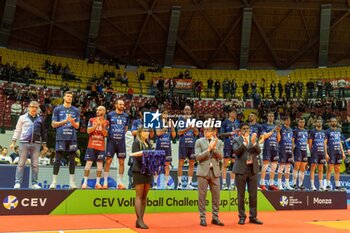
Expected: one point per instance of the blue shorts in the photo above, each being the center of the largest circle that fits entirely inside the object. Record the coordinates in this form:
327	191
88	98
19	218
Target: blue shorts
270	155
285	157
228	154
318	158
336	159
168	157
67	146
116	147
186	152
94	155
300	155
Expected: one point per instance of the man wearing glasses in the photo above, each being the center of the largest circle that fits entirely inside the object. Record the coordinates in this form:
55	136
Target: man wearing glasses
31	133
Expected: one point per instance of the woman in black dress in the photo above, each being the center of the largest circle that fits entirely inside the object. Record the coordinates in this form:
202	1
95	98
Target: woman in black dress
142	182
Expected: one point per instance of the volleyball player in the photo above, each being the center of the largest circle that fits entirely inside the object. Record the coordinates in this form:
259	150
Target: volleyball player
271	137
187	138
335	153
97	130
300	139
285	154
228	131
318	158
66	121
118	126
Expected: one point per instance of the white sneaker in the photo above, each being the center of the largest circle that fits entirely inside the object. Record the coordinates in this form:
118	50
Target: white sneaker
280	187
288	188
36	186
72	186
168	187
313	188
233	187
84	186
155	187
52	186
321	188
190	187
17	186
179	186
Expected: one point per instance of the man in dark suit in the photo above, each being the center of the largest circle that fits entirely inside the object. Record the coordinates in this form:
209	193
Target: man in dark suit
246	168
209	152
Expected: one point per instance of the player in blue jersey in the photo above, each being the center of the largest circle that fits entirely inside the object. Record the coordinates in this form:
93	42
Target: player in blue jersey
66	121
300	139
229	130
271	137
285	154
318	156
164	135
187	137
335	153
118	126
255	128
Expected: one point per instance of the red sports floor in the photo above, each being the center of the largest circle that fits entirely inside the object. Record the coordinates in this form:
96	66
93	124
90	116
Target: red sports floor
278	221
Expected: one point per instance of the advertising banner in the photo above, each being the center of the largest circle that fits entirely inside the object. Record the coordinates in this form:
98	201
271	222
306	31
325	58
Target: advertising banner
283	200
57	202
123	201
344	182
27	202
180	83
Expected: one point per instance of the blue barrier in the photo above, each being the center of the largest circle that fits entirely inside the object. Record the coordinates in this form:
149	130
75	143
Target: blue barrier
7	174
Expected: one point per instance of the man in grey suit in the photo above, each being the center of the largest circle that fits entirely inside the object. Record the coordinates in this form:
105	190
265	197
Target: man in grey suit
246	168
209	152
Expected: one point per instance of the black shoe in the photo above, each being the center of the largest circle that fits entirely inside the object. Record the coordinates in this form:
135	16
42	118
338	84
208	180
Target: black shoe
241	221
203	223
255	221
328	188
141	225
338	188
217	222
302	187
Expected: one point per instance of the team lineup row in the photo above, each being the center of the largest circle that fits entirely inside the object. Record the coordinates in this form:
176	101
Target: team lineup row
282	146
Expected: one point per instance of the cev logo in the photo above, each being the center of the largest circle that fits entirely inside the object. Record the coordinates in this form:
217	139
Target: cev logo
284	201
10	202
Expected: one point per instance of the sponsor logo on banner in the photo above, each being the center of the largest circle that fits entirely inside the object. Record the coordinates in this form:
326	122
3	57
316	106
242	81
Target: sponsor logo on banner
18	202
180	83
322	201
290	201
10	202
286	200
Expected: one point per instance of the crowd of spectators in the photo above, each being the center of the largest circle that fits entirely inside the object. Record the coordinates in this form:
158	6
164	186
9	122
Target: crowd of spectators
59	69
291	89
11	73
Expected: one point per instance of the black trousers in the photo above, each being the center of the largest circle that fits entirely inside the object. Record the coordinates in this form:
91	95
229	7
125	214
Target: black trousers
242	180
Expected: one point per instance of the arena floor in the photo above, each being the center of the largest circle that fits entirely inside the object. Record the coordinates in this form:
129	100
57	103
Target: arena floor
278	221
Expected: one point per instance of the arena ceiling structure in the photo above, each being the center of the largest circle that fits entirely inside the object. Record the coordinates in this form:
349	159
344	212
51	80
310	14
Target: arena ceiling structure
280	34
